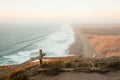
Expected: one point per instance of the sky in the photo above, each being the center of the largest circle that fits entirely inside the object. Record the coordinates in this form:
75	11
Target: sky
60	10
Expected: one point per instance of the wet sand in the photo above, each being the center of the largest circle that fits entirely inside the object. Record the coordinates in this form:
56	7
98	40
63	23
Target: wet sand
76	47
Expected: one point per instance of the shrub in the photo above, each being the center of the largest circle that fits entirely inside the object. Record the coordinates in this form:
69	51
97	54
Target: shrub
46	65
69	65
109	65
84	65
53	68
112	65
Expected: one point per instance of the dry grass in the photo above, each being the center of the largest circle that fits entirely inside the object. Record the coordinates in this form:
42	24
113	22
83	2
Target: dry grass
2	68
19	73
54	68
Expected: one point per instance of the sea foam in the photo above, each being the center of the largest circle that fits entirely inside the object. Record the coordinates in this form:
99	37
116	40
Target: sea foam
56	44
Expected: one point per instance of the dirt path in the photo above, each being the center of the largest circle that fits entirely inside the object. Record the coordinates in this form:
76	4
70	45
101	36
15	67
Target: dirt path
80	76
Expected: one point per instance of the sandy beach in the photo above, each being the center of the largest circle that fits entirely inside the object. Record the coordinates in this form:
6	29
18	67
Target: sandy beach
76	47
104	42
81	46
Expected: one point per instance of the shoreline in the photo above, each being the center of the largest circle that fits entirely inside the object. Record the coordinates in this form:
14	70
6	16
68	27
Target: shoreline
81	46
73	48
104	45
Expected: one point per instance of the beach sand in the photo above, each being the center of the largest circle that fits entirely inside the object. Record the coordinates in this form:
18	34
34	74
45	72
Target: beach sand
82	45
76	47
105	43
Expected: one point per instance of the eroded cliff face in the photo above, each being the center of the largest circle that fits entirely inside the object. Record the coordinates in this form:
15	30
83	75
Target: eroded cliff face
107	45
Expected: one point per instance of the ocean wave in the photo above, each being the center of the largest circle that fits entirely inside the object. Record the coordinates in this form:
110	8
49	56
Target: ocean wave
56	44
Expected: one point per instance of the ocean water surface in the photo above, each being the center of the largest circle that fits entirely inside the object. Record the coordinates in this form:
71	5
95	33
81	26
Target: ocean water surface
19	43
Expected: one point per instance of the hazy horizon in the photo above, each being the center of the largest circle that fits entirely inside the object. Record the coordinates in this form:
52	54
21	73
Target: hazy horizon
83	11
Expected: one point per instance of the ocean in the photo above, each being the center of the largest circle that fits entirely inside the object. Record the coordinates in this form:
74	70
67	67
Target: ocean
19	43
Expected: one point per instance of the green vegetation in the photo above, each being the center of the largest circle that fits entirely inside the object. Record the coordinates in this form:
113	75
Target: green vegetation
69	65
109	65
53	68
